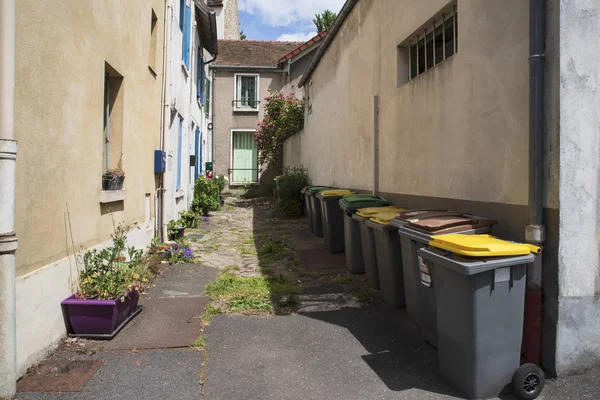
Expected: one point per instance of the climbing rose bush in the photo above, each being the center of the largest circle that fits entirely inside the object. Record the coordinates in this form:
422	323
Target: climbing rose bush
284	116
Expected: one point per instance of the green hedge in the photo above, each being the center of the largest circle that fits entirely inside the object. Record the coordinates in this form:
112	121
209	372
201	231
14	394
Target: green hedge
289	190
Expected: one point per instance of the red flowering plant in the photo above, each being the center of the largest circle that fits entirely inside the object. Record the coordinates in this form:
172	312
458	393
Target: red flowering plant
284	116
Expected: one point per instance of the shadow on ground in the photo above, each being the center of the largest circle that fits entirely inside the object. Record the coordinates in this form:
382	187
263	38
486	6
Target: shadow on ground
393	348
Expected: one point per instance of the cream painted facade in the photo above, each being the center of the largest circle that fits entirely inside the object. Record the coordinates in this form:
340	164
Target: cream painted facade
457	135
59	119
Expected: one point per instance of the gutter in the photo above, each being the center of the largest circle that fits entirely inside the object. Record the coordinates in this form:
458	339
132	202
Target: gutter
246	67
535	231
165	113
8	237
333	30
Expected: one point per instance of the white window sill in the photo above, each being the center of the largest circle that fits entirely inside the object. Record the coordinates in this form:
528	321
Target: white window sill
245	110
179	194
244	183
112	196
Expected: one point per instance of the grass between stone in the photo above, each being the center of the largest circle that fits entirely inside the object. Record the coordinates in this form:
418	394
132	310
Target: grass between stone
252	295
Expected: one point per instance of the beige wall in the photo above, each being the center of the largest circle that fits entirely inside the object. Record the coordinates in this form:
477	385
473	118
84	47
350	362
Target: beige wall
61	53
458	131
225	119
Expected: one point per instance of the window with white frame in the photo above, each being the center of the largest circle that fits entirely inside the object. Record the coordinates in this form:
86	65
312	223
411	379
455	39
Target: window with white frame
246	92
429	46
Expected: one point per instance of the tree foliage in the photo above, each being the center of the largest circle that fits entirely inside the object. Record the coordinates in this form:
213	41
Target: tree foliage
284	116
324	20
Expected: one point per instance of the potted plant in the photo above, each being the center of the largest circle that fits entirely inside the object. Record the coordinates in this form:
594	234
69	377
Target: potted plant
206	196
176	229
113	179
108	290
189	218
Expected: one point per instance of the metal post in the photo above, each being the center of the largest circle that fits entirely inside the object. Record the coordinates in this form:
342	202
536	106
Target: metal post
376	144
8	237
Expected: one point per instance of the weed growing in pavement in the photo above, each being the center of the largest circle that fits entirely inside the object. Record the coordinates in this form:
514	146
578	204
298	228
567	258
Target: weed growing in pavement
367	295
230	268
341	279
199	343
251	294
209	313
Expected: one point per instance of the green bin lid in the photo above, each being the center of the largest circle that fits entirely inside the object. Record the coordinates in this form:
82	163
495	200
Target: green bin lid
317	189
357	201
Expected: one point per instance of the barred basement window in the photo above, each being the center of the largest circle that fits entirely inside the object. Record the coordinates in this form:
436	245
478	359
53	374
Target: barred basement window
430	46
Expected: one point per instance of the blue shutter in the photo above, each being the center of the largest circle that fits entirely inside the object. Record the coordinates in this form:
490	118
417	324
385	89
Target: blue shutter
187	21
181	9
179	139
198	154
200	76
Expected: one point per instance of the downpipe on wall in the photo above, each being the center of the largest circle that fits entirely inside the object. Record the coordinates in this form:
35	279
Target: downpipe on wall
165	114
8	237
535	231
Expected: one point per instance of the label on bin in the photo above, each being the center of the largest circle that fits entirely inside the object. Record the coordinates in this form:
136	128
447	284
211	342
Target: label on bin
425	274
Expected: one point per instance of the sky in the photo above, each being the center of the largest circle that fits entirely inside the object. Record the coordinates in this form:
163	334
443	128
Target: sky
289	20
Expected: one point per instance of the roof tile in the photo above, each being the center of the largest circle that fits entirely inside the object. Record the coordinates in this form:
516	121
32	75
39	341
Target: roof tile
253	53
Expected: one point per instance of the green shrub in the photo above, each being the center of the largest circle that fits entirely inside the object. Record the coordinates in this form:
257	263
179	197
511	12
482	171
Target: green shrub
219	180
289	190
188	218
206	196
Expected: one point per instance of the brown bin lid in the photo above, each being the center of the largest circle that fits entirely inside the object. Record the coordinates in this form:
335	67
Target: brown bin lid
450	224
413	216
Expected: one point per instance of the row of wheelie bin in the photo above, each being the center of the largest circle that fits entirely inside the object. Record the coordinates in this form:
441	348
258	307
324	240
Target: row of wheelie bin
464	287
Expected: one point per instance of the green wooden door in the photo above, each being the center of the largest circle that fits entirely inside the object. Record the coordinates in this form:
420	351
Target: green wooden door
245	162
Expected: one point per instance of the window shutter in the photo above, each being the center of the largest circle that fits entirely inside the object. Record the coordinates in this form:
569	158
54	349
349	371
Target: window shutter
207	105
186	36
200	76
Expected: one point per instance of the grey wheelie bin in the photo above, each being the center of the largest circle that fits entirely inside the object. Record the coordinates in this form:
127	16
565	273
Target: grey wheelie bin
314	209
479	283
352	241
333	218
389	258
367	241
416	229
307	207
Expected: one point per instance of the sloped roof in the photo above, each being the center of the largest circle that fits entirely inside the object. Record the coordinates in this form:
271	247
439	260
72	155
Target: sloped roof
303	46
252	53
214	3
207	24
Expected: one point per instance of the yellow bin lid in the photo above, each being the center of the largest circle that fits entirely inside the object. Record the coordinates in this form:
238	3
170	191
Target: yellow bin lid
336	192
384	218
481	245
368	212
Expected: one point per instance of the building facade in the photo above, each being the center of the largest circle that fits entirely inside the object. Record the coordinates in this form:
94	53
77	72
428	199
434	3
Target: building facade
228	22
97	87
192	46
87	99
429	106
243	75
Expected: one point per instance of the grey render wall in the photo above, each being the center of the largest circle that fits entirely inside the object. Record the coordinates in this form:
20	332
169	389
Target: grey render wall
225	119
458	136
578	333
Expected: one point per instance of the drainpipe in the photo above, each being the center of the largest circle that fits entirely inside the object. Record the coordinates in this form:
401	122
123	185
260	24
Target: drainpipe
8	237
165	113
535	231
212	118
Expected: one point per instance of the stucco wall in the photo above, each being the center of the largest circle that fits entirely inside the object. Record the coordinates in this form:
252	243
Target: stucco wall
231	23
225	119
457	136
60	61
578	333
480	92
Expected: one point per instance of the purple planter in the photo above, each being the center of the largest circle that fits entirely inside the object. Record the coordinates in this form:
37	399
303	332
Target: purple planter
97	317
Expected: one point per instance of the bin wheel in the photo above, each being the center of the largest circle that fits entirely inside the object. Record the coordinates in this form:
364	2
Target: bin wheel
528	381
